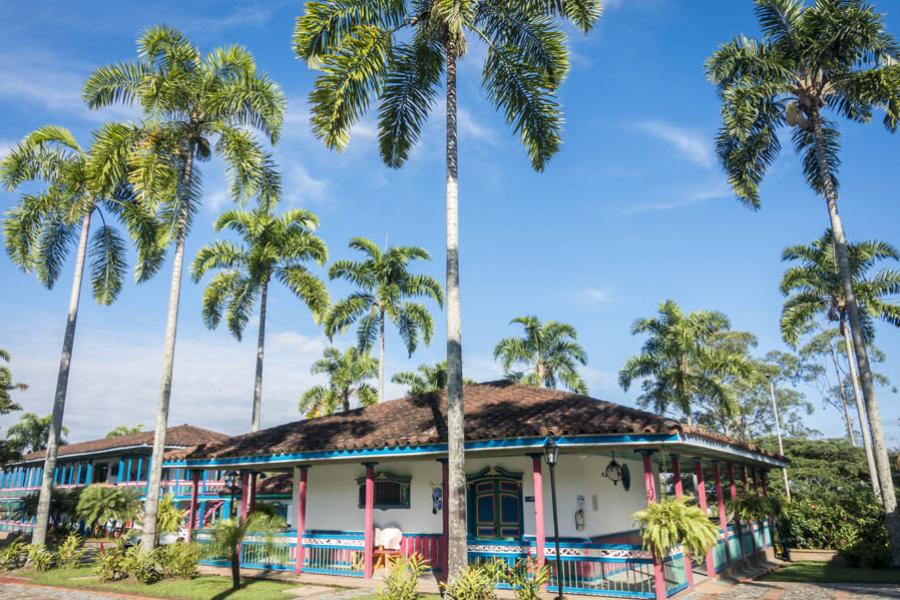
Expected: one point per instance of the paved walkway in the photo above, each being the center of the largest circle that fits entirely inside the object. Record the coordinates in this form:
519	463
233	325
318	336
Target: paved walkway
770	590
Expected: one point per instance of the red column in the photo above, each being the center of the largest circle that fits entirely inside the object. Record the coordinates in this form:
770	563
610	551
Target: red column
370	522
192	510
245	495
701	500
445	517
252	500
659	582
540	535
679	493
737	520
720	499
747	488
301	518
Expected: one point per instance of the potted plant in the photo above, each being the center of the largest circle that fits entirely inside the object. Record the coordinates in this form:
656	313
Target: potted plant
674	522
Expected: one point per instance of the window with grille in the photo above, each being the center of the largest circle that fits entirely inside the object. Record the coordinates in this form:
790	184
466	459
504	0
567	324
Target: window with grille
391	491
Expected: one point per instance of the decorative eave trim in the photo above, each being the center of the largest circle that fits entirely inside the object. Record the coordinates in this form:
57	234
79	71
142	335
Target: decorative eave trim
105	453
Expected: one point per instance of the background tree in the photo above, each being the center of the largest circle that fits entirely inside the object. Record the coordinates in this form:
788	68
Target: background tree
348	375
827	56
197	106
384	283
40	232
100	504
275	247
397	53
425	379
685	361
7	385
814	291
32	433
548	352
124	430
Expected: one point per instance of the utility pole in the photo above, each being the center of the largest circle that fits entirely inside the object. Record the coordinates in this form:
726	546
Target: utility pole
787	485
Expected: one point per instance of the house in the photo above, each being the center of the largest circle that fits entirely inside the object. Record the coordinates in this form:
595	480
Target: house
122	461
385	466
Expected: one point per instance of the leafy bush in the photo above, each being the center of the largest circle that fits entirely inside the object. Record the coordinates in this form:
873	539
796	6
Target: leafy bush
476	582
142	565
100	503
752	506
70	552
831	521
41	558
168	516
112	563
229	533
14	555
672	522
402	580
525	578
180	560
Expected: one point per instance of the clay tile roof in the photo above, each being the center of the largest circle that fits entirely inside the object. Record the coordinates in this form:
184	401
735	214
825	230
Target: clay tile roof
179	436
495	410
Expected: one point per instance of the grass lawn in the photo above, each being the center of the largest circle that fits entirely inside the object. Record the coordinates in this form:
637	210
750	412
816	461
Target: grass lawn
826	572
205	587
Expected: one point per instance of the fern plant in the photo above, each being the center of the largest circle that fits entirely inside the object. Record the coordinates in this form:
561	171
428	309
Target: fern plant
169	517
672	522
70	552
525	578
40	558
475	582
752	506
112	564
402	579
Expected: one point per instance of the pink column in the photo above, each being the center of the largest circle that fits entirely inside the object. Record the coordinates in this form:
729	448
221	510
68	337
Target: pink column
737	520
720	499
252	501
701	500
679	493
245	495
192	510
445	517
659	582
301	518
540	535
747	488
370	522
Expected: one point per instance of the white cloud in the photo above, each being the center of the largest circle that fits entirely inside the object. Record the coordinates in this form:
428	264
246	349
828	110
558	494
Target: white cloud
301	187
5	147
471	128
715	191
599	380
693	146
593	296
253	14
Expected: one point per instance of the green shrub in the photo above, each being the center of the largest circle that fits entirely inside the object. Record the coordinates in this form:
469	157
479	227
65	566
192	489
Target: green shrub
70	552
525	578
101	503
142	565
671	522
168	516
476	582
180	560
402	579
112	564
14	555
41	558
831	521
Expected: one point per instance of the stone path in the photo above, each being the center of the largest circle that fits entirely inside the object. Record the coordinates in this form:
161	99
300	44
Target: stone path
770	590
15	591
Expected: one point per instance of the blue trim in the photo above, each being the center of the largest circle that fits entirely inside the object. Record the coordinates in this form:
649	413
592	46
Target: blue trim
676	589
591	592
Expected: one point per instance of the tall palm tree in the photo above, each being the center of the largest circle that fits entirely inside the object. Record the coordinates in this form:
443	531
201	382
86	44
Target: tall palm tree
41	231
687	359
348	377
196	105
833	55
398	52
121	430
32	433
275	247
549	353
7	385
814	290
425	379
385	284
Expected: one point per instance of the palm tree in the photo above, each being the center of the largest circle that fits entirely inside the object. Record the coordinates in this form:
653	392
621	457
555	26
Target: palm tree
399	51
831	55
197	105
99	504
348	375
124	430
687	359
32	433
548	351
425	379
7	385
229	534
384	283
274	246
40	232
814	290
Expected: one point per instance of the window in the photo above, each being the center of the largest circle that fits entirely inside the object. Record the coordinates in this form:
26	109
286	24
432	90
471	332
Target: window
495	504
391	491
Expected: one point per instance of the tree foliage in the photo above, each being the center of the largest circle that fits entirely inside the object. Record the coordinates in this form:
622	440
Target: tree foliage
31	432
124	430
348	377
100	504
549	354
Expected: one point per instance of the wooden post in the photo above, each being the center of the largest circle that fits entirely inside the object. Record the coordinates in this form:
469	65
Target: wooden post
701	500
245	495
540	533
369	554
445	517
300	477
253	477
192	510
659	582
720	500
679	493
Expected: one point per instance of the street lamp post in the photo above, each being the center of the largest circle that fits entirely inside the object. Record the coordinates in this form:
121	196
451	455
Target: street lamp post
787	485
231	484
551	455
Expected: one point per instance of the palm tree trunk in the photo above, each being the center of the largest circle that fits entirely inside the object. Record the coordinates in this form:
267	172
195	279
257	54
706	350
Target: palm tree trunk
260	348
235	569
861	410
457	552
148	533
381	358
882	462
42	518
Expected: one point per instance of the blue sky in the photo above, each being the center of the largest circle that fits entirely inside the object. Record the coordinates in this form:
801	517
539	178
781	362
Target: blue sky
632	211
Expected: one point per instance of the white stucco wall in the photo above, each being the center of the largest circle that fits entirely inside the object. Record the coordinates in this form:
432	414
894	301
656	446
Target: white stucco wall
332	495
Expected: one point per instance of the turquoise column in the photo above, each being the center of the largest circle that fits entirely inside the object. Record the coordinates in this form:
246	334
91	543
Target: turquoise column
128	471
138	475
87	478
204	481
78	475
201	521
121	470
149	466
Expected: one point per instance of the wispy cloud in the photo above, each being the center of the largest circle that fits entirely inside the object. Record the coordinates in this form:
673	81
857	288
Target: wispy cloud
301	187
252	14
593	296
715	191
692	145
5	147
470	127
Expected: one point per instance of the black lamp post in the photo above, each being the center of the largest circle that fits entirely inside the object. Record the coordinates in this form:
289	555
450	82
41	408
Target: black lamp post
231	484
551	455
